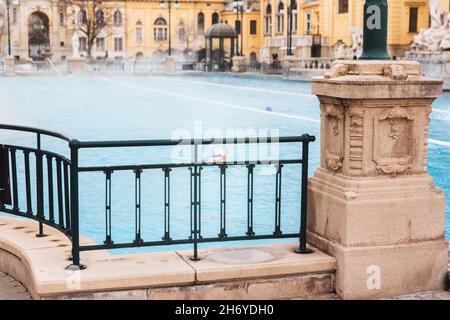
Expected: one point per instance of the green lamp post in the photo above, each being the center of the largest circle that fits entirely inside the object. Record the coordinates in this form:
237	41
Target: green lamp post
375	30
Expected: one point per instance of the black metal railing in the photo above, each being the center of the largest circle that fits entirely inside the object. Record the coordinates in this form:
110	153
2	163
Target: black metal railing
62	210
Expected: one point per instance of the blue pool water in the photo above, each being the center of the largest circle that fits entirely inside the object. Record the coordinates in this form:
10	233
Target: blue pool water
157	107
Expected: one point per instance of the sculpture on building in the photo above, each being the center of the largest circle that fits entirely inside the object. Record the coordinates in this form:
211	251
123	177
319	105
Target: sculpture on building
437	37
343	51
76	45
435	14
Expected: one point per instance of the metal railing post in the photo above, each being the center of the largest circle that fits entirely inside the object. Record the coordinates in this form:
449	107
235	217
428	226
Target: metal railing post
75	232
304	197
39	186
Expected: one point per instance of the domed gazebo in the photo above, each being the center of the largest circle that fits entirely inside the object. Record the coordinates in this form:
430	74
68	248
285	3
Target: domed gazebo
219	31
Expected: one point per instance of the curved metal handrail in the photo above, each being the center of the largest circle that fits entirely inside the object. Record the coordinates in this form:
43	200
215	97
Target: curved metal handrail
4	126
62	226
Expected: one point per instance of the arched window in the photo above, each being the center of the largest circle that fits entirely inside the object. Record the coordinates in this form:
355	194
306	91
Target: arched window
182	36
294	16
139	32
215	18
268	20
200	23
160	22
99	16
82	17
280	18
117	18
160	30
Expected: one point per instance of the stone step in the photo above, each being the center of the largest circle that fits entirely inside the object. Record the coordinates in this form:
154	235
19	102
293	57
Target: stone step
272	271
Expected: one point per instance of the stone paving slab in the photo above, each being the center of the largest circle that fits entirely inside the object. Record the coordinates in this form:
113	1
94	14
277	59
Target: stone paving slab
430	295
11	289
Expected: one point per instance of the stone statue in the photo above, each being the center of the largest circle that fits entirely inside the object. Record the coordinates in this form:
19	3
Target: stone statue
76	45
264	54
445	43
437	37
342	51
435	6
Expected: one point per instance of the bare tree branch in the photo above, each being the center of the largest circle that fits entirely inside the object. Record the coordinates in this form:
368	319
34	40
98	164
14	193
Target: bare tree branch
93	18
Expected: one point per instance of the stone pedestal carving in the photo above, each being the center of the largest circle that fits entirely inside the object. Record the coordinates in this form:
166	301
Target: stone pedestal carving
76	65
238	64
169	64
10	65
372	204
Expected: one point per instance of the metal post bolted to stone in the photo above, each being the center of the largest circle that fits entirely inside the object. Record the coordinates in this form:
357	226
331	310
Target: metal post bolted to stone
372	203
375	30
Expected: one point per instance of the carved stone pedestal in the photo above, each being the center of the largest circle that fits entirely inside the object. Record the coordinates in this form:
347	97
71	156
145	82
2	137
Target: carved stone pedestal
76	65
10	65
169	64
238	64
372	204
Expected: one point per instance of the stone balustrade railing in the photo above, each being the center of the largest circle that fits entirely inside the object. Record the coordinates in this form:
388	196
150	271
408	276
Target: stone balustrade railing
307	64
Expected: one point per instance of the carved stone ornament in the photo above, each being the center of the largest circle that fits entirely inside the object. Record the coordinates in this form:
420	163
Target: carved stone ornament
334	164
334	119
395	72
393	150
337	70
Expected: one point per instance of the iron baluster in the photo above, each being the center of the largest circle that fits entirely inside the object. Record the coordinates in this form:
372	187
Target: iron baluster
196	204
60	193
250	231
14	180
195	187
304	197
28	182
223	201
51	207
277	231
166	236
191	192
108	239
74	206
40	189
199	201
137	197
67	197
39	186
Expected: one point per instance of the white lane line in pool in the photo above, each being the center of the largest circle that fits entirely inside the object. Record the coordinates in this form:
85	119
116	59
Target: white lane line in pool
279	114
439	142
441	111
246	88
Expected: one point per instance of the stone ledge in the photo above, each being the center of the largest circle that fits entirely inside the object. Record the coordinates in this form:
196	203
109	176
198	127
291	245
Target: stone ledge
39	263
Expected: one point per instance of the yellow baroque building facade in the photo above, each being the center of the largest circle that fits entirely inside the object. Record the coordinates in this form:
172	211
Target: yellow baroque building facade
141	28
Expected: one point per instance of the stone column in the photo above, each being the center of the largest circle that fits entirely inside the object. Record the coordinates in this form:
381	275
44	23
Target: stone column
372	204
169	64
238	64
10	65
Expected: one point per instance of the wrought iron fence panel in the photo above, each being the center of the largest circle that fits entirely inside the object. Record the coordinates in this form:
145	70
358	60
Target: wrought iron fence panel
51	194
